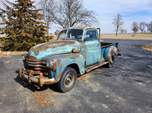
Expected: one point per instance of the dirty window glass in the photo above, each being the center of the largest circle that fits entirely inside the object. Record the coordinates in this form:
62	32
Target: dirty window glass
75	34
71	34
91	35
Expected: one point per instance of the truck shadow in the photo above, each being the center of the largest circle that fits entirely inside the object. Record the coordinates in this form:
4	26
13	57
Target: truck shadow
34	87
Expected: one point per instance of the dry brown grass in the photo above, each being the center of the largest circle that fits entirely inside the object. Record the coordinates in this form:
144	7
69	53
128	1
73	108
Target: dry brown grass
14	53
148	47
146	36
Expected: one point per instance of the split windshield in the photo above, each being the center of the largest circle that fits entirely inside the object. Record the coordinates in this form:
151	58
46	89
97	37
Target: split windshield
71	34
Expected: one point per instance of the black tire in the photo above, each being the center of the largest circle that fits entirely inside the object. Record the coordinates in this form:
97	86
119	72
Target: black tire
111	57
68	80
110	60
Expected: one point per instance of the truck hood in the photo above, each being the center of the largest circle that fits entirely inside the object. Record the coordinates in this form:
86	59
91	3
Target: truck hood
53	48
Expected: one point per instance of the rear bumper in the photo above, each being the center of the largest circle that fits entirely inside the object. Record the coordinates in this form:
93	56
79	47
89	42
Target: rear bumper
36	77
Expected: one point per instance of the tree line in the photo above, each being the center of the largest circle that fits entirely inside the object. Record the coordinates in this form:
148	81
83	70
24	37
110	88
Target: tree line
142	27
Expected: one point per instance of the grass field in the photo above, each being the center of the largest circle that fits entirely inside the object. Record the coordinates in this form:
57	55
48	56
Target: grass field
130	36
12	53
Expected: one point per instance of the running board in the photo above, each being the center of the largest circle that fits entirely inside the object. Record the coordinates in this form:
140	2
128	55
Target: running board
93	67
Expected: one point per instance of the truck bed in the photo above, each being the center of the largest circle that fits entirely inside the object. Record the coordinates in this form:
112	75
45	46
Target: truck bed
105	44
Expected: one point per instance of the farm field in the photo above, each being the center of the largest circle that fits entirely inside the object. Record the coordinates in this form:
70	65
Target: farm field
128	36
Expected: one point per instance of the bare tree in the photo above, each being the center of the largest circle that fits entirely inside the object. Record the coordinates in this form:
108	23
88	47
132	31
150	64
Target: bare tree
149	26
67	13
47	5
135	27
117	22
142	26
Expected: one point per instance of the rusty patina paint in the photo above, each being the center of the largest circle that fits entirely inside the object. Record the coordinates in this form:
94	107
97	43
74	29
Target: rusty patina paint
52	44
53	48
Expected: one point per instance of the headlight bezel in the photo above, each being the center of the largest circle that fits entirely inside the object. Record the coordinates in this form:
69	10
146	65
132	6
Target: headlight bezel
52	64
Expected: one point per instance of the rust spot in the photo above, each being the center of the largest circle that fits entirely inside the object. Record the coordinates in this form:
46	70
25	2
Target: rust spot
42	99
33	64
32	59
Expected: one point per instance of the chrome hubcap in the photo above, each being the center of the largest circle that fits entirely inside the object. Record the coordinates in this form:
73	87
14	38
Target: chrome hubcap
69	80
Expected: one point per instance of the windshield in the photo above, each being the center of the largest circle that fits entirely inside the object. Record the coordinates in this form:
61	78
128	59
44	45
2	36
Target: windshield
71	34
62	34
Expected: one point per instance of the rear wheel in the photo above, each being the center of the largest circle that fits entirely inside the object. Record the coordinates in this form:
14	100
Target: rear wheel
68	80
110	59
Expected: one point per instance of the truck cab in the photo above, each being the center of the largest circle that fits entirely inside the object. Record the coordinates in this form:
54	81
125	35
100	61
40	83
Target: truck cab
89	41
60	62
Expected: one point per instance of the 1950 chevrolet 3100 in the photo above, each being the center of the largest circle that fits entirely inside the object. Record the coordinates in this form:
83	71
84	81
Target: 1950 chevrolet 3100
60	62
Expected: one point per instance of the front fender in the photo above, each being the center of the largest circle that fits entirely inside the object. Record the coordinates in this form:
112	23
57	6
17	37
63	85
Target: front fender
64	60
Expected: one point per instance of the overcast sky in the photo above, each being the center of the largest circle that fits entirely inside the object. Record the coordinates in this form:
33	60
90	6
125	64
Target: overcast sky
131	10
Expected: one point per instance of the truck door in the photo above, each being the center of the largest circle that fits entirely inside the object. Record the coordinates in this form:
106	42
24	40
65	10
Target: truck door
92	47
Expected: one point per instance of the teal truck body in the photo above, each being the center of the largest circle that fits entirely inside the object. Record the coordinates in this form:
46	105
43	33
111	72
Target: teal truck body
60	62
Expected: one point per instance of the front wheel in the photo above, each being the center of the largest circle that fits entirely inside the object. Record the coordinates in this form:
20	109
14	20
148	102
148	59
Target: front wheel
68	80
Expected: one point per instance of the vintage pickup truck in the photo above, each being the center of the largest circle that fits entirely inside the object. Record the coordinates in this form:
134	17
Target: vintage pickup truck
60	62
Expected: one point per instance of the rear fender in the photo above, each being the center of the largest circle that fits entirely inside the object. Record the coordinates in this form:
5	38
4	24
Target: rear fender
109	51
113	51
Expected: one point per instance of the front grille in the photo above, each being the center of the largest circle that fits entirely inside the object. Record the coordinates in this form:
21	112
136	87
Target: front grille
31	63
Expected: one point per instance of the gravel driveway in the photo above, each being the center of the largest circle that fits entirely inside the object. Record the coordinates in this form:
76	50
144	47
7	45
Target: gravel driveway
124	88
